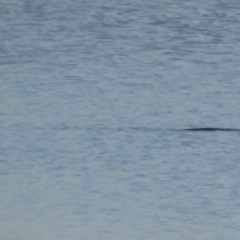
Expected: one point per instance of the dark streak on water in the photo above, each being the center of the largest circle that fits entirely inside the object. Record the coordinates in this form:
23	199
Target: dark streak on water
209	129
205	129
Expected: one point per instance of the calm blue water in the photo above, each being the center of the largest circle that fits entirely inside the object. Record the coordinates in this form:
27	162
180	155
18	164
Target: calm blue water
89	94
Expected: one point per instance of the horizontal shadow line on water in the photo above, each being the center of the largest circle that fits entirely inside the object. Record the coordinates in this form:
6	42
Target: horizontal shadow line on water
209	129
206	129
154	129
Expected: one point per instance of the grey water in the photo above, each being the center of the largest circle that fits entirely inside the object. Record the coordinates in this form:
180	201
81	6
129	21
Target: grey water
91	93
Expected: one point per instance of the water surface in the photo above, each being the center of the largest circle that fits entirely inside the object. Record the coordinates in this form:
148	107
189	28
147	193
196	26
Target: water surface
91	93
